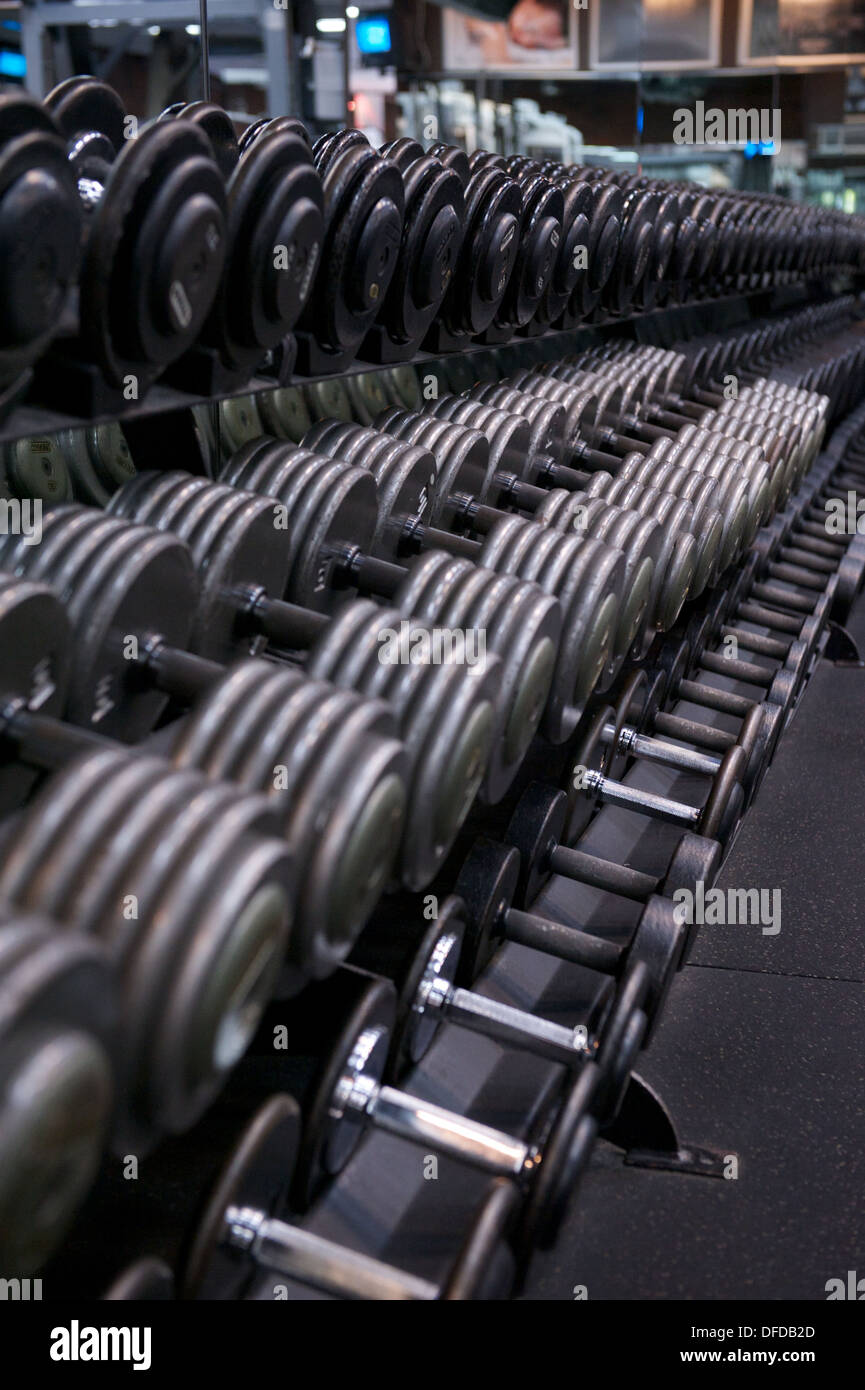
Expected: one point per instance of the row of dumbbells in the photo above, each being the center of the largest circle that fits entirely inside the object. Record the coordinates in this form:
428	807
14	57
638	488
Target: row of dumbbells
371	1032
213	259
99	798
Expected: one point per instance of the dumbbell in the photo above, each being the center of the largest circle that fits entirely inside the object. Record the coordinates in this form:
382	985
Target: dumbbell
658	575
274	234
790	430
422	959
626	404
445	712
539	238
489	249
715	484
339	1085
40	234
184	884
364	203
452	503
548	445
699	449
334	541
634	719
578	199
431	239
241	1235
488	884
155	232
587	785
537	830
328	760
58	1023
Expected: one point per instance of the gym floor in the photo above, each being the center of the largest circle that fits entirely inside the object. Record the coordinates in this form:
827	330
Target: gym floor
761	1054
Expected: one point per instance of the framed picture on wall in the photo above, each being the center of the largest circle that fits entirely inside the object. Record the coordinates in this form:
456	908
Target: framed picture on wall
511	36
654	35
810	33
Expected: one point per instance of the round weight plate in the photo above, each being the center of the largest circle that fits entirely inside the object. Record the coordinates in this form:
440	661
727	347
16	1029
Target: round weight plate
255	1178
563	1160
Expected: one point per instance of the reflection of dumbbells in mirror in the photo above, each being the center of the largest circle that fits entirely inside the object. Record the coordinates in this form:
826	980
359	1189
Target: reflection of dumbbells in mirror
274	233
446	710
340	1083
41	220
241	1236
57	1041
584	575
155	242
329	760
422	958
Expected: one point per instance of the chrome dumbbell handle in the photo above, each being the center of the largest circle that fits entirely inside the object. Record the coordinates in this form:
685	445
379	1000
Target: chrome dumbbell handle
430	1125
512	1026
635	799
331	1268
654	750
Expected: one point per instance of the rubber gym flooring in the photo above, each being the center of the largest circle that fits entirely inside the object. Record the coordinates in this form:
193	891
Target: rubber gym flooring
760	1054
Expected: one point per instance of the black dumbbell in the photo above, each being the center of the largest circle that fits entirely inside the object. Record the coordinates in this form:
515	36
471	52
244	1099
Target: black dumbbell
339	1084
588	786
422	959
155	233
634	718
431	239
537	828
364	210
488	884
275	229
241	1235
58	1032
488	254
40	234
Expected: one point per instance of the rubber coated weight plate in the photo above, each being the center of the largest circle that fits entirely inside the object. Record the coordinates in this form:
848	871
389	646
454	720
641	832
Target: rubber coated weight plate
155	253
40	231
275	232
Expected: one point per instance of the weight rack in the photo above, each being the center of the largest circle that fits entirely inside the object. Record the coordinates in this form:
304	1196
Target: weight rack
379	1201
